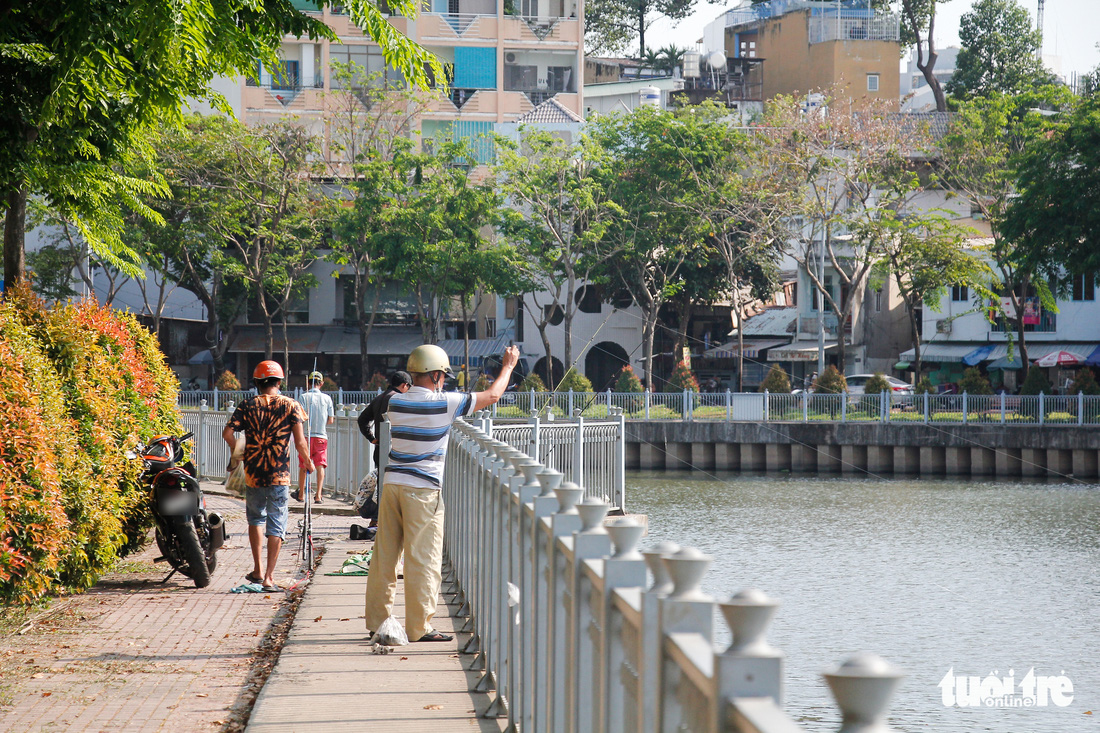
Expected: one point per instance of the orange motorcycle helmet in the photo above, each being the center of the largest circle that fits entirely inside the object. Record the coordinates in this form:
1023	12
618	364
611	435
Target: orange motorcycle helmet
159	451
267	370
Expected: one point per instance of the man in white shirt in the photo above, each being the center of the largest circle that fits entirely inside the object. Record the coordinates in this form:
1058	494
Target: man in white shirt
410	512
320	413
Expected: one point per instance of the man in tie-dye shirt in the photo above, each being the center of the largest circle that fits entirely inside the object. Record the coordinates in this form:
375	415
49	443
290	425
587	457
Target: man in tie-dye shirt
268	420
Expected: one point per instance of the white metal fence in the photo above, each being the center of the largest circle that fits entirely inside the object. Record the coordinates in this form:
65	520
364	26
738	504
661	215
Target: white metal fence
1029	410
573	637
350	457
601	450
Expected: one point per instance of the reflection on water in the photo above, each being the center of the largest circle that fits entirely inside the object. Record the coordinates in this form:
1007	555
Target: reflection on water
932	575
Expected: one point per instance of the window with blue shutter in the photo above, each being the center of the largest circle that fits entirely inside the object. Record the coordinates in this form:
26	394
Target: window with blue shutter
475	67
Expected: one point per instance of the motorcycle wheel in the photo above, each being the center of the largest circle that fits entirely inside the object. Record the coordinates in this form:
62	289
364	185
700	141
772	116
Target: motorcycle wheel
193	555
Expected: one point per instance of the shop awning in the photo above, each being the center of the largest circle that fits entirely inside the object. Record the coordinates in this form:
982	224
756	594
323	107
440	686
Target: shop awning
998	357
940	352
798	351
978	355
479	349
753	349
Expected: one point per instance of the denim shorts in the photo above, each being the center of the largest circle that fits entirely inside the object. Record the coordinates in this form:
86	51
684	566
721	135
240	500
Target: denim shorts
268	505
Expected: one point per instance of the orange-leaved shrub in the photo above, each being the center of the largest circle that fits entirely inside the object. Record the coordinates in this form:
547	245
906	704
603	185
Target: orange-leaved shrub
86	384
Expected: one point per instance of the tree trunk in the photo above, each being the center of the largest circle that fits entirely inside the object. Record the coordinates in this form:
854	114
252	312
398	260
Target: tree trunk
465	347
648	331
366	325
269	329
551	383
15	230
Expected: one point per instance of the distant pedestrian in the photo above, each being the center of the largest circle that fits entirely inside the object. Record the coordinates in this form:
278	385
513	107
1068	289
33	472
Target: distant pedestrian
320	414
410	512
268	421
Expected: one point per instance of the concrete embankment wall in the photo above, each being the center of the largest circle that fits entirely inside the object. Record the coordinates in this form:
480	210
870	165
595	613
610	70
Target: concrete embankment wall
856	448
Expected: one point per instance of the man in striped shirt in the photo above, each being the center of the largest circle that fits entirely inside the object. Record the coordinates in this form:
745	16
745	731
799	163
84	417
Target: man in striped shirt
410	511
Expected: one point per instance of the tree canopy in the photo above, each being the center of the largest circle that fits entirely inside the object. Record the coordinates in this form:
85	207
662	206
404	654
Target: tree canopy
1000	51
79	81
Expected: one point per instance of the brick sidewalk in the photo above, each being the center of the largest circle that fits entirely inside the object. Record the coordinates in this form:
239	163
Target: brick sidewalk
133	654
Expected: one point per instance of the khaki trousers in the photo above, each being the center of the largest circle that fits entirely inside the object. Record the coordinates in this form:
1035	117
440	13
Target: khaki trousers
409	519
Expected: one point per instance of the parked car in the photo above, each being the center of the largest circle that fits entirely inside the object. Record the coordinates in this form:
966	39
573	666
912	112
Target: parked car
856	383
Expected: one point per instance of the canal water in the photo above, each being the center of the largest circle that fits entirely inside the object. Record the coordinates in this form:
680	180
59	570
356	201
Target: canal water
935	576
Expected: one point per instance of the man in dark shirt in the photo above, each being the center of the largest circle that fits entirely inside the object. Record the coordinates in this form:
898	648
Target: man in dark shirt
269	421
371	418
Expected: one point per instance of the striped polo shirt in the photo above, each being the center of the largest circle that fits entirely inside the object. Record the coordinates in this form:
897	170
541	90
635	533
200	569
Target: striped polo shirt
420	426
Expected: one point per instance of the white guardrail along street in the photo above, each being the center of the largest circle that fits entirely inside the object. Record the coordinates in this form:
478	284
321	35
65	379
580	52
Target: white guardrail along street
1029	410
573	635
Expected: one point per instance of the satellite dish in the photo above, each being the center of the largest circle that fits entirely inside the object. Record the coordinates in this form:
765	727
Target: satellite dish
717	60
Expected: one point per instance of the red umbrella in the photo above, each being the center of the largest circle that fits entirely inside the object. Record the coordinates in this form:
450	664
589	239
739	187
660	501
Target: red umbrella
1060	358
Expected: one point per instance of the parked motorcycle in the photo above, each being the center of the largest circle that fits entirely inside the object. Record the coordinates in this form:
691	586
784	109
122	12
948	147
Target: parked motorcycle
188	536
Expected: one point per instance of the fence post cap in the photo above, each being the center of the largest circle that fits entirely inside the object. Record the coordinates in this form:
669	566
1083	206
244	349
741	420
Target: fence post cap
862	686
577	412
662	581
592	512
686	569
203	405
748	614
568	495
549	479
625	533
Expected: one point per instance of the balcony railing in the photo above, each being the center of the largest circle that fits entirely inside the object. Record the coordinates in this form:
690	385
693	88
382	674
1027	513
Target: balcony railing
835	27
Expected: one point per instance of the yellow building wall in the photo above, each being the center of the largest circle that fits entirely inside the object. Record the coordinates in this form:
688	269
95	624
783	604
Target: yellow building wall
792	65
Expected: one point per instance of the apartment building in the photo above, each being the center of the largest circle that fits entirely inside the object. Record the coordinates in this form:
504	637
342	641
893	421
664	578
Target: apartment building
798	46
503	58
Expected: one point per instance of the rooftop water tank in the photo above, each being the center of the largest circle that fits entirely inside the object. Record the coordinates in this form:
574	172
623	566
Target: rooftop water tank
649	96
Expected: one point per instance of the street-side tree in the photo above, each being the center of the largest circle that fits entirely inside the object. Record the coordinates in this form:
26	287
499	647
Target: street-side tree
925	253
436	223
851	165
262	205
1000	52
743	197
80	85
651	240
918	29
64	266
978	160
558	215
1054	221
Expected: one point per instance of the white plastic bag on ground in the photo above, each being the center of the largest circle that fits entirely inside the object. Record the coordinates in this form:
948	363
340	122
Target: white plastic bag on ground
390	633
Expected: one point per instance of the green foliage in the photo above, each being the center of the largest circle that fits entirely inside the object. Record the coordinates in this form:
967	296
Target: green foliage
377	381
1049	223
532	382
831	382
876	384
777	381
683	378
973	382
612	26
627	382
228	381
574	380
81	386
80	85
1036	382
1084	381
998	55
924	386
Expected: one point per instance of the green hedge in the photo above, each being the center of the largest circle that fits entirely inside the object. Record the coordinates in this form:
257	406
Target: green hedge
80	385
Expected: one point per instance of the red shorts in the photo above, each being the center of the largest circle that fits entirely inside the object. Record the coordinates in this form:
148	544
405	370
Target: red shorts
318	451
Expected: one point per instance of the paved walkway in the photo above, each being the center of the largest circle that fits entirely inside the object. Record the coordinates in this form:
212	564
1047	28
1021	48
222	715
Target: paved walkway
135	654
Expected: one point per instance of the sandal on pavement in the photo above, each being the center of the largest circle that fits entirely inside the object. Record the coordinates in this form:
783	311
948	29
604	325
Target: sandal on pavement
273	588
318	500
436	636
253	578
298	495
